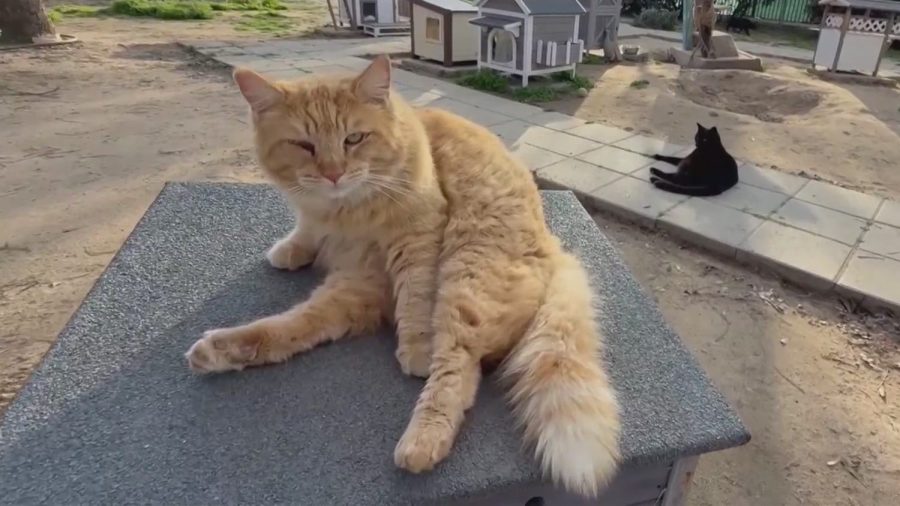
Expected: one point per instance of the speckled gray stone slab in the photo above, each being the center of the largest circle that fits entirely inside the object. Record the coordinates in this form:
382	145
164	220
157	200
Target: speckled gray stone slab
112	415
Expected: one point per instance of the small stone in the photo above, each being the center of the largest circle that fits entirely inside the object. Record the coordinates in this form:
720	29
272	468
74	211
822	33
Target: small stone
784	342
581	92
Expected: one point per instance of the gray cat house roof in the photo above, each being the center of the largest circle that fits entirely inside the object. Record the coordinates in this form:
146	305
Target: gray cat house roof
543	7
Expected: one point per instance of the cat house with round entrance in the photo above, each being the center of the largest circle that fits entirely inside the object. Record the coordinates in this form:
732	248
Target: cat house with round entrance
529	37
855	34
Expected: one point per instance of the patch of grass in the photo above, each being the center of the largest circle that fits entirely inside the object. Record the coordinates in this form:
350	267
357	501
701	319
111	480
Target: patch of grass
574	79
59	12
535	94
249	5
486	80
544	89
162	9
640	84
266	22
593	59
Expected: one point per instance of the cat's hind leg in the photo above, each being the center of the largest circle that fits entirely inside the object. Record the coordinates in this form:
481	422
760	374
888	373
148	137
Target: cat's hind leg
658	174
674	160
683	189
349	302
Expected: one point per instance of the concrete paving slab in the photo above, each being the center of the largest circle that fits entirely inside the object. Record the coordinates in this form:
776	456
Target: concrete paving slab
884	240
711	225
650	146
889	213
555	120
479	115
558	142
534	157
750	199
798	255
617	159
580	177
840	199
873	277
770	179
601	133
635	200
513	132
820	221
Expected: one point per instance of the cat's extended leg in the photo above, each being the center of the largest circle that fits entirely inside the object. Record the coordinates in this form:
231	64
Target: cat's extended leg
439	412
658	174
412	263
295	250
347	303
674	160
693	190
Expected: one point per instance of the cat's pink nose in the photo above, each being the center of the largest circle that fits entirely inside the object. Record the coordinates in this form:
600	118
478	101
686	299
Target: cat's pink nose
333	176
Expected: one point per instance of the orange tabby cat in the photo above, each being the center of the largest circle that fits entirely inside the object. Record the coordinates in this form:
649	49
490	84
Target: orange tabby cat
425	218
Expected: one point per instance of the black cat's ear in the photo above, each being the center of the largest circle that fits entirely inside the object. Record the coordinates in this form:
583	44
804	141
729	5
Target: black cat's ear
700	128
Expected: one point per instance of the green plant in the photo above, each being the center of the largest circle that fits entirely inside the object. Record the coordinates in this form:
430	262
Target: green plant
248	5
535	94
73	11
656	19
265	22
575	80
162	9
486	80
640	84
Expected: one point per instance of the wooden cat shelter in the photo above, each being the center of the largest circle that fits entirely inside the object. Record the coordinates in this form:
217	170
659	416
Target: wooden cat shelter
113	415
441	31
855	34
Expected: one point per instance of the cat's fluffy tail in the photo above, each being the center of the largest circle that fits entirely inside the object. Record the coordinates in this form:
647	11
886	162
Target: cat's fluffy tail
560	391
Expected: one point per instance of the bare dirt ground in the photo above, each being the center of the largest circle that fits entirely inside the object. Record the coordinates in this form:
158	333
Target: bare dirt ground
784	118
79	166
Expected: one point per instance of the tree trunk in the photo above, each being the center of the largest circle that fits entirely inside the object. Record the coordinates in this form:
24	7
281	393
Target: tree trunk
24	21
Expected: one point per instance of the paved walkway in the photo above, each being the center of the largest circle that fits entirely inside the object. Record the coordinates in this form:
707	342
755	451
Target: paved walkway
814	233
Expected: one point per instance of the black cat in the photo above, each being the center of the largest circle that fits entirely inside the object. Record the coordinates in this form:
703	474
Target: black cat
739	24
708	170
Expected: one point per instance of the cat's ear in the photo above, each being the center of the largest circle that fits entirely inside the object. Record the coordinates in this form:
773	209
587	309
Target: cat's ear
374	84
700	128
257	90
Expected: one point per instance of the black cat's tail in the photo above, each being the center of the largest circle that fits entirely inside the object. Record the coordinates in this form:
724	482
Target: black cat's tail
694	191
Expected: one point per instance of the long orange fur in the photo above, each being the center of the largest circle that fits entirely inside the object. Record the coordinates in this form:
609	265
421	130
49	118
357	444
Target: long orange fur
425	219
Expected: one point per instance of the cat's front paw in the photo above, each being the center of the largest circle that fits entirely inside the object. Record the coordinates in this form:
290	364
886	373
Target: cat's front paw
223	350
422	446
415	360
286	254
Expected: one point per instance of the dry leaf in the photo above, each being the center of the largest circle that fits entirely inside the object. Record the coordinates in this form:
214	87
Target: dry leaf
832	463
882	393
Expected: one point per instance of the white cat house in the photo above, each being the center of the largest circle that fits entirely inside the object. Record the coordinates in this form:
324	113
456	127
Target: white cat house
376	17
856	41
529	37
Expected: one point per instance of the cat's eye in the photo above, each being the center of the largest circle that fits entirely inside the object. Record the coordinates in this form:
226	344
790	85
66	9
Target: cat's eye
354	138
308	146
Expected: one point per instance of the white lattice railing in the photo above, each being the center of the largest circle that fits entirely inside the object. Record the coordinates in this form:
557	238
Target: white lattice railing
862	24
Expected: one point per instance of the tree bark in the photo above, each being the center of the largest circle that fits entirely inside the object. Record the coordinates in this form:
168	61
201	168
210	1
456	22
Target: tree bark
24	21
